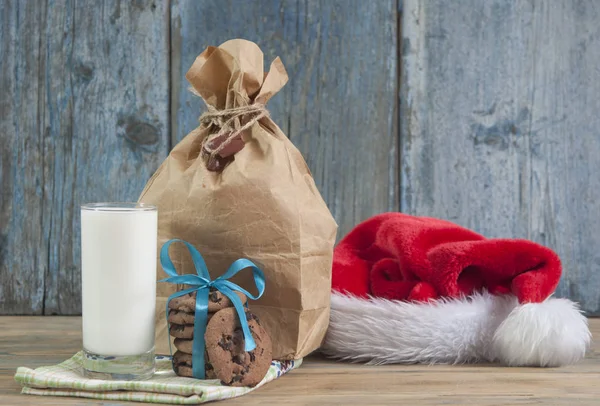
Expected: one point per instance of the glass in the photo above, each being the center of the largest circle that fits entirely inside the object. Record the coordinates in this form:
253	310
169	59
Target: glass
118	262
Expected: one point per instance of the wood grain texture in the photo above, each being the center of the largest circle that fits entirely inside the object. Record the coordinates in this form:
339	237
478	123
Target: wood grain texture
499	125
498	117
23	250
84	106
340	105
37	341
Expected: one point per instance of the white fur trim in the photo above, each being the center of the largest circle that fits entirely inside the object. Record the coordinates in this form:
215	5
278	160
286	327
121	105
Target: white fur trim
482	327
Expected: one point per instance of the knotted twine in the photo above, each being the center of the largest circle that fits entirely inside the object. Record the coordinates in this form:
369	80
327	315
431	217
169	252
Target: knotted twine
229	123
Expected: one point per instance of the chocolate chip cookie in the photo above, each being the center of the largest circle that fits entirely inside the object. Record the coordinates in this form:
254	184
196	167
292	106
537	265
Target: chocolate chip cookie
182	365
177	317
184	345
181	330
185	330
183	318
225	348
216	302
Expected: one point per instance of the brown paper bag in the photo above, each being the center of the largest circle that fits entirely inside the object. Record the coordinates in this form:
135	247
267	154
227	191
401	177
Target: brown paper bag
261	204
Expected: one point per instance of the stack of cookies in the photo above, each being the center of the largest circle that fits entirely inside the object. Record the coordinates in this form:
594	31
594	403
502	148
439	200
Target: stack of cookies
225	358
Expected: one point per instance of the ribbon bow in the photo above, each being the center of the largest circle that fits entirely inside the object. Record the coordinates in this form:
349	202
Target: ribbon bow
201	284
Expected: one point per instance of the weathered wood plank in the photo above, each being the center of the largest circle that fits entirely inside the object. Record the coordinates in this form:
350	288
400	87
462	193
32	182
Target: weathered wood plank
23	249
500	124
37	341
86	119
340	106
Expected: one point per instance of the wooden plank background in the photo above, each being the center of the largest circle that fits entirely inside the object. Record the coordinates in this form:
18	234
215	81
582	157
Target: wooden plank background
340	105
484	113
500	125
84	103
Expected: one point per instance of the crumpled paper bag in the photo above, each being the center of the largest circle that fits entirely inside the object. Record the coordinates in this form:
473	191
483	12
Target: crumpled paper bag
263	205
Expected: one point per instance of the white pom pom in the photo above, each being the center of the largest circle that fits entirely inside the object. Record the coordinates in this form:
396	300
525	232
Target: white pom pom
548	334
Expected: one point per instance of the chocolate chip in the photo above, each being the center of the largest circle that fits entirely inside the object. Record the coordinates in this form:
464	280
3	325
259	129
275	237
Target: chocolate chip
177	327
225	344
251	316
239	358
214	297
237	378
209	366
252	356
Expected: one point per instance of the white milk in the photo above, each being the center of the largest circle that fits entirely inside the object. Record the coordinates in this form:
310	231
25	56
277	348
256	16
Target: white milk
118	256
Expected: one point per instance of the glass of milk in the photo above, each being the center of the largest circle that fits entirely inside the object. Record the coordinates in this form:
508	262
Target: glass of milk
118	261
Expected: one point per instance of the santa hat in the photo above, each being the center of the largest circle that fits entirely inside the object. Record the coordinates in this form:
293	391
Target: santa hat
421	290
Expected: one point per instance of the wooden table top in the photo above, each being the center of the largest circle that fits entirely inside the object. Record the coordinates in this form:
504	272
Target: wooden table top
37	341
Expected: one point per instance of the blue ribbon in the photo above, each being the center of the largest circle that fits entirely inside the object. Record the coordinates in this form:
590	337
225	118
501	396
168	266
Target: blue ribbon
201	284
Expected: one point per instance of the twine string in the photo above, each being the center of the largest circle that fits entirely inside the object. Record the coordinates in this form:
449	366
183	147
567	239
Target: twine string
228	121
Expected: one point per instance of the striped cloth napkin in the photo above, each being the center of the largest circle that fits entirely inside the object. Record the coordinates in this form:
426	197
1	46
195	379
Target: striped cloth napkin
65	379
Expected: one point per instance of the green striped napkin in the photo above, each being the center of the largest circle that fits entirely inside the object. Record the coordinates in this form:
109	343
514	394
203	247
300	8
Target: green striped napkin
65	379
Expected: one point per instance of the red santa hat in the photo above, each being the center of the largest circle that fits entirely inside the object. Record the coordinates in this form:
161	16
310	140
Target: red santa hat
421	290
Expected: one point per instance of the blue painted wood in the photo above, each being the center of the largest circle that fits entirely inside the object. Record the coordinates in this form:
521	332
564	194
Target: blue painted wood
340	105
23	250
84	117
498	117
500	124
